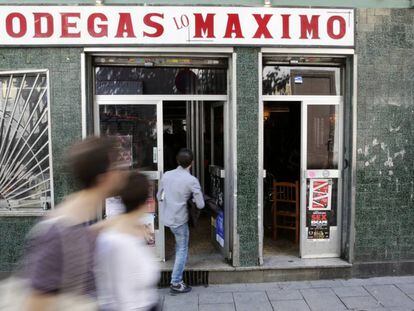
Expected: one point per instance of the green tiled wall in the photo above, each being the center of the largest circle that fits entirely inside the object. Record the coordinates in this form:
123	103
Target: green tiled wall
12	233
385	143
247	153
65	91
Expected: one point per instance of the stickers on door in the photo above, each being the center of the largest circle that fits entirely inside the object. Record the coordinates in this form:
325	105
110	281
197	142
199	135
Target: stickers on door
320	195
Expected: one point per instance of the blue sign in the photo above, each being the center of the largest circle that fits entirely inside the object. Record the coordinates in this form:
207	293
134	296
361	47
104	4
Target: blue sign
298	80
220	228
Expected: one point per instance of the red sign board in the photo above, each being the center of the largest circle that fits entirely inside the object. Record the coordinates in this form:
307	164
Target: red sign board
193	25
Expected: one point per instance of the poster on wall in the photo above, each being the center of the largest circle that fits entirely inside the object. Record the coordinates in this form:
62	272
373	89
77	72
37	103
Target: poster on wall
320	194
220	228
318	225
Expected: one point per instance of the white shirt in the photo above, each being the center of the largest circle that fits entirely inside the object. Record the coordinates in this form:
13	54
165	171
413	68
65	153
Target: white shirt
126	272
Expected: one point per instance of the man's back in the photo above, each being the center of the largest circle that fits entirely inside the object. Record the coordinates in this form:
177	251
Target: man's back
176	188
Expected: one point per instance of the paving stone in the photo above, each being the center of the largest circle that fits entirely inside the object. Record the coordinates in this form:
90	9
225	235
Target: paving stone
284	294
163	291
353	282
404	279
215	298
326	283
384	280
290	305
248	301
406	288
390	296
227	288
322	299
361	303
262	286
217	307
350	291
181	307
182	302
295	285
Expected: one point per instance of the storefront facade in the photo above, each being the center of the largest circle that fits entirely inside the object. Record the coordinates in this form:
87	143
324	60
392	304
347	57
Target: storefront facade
315	98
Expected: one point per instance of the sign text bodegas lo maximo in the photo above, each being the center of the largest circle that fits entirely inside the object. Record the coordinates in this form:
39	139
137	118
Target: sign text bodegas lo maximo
151	25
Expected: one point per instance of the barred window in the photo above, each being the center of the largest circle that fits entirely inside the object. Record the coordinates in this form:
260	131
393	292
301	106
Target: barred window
25	168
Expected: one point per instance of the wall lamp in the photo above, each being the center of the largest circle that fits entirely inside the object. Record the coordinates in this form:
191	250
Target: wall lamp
268	4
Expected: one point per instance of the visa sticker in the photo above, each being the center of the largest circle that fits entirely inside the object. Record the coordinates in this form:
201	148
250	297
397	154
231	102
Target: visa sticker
298	80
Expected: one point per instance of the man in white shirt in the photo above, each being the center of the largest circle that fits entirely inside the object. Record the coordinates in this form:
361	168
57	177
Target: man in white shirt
176	188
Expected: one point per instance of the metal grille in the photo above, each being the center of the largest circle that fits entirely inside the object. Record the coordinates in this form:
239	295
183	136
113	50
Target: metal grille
25	173
193	278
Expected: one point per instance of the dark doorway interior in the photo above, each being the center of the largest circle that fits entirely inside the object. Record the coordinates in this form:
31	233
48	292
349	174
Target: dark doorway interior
175	131
281	186
179	130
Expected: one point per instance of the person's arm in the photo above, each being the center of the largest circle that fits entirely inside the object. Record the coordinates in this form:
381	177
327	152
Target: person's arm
197	194
37	301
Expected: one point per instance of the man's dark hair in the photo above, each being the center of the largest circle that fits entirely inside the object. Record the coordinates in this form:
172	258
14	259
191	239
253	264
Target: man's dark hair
89	158
184	157
136	191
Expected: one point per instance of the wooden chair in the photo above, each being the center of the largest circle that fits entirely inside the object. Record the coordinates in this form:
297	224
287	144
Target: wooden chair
285	209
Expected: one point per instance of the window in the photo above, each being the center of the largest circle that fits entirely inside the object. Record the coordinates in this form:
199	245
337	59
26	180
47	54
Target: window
160	75
303	75
25	175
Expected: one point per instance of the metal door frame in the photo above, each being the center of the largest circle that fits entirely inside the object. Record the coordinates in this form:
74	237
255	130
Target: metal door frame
152	175
223	172
88	99
333	173
304	100
350	99
158	100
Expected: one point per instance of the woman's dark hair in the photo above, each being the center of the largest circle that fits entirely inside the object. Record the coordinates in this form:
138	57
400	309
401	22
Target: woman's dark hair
135	192
184	157
89	158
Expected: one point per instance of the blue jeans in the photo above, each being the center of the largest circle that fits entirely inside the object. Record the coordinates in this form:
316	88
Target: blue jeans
182	235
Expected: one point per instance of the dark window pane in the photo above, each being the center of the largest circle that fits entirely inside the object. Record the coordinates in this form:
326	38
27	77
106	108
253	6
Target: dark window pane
218	137
116	80
136	129
288	80
323	136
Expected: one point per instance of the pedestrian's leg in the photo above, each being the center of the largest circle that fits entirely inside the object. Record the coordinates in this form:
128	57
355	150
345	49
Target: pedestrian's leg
181	235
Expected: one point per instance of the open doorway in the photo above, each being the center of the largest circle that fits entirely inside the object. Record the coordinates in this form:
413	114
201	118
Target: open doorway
199	126
281	215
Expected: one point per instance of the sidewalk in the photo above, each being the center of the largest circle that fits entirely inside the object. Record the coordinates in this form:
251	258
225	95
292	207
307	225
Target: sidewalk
383	293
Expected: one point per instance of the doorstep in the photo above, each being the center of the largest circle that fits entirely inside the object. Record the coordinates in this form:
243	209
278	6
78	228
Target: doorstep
216	263
276	269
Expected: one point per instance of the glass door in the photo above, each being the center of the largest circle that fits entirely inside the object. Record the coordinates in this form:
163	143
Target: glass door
321	178
137	127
